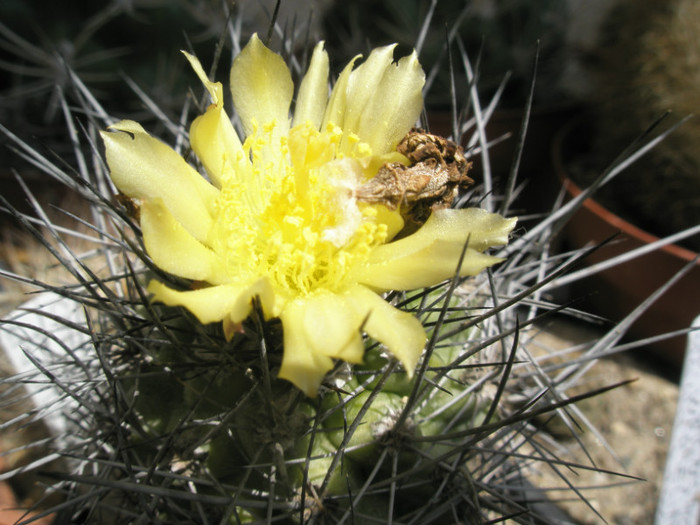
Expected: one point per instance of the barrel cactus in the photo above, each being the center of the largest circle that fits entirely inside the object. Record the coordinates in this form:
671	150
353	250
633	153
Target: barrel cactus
291	317
285	250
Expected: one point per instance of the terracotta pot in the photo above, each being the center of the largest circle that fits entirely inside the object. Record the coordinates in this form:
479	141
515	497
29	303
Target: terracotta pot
615	292
11	510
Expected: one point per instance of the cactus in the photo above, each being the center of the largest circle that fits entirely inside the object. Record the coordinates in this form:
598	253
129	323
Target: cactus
170	419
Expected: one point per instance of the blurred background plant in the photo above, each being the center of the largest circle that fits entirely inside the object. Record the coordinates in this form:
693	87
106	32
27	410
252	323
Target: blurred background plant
43	43
647	64
501	36
117	51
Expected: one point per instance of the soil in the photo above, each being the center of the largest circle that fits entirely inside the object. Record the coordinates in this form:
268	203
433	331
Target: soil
634	422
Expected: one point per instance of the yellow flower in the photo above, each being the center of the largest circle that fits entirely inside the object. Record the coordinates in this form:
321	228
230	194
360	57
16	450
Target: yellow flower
278	217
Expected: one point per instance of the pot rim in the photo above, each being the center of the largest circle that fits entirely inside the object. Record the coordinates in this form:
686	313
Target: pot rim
574	190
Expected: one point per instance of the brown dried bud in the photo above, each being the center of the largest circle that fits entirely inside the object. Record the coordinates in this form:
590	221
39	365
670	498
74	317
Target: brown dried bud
437	170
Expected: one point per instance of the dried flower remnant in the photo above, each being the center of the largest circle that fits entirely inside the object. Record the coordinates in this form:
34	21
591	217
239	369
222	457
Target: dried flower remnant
285	217
437	171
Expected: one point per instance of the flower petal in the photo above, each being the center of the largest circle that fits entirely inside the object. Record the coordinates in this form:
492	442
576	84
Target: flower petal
337	103
313	92
378	102
333	327
301	365
327	325
212	136
261	86
363	84
216	90
217	302
400	332
392	218
217	145
394	107
174	250
430	255
144	168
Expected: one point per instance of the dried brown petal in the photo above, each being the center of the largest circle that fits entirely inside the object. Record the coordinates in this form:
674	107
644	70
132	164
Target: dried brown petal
437	170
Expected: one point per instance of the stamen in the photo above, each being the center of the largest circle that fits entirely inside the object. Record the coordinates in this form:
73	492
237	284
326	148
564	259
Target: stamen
300	223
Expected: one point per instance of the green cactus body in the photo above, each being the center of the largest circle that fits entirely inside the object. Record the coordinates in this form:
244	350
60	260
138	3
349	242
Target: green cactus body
254	435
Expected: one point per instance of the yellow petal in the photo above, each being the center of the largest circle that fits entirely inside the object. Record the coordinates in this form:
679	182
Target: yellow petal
217	145
144	168
392	218
335	111
301	365
217	302
363	84
394	107
216	90
326	325
426	267
333	327
261	86
212	136
430	255
174	250
399	331
313	92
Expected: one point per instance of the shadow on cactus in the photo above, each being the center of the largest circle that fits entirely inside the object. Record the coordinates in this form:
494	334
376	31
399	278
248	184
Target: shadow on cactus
303	326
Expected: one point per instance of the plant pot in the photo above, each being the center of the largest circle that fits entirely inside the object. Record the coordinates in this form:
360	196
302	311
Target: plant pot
615	292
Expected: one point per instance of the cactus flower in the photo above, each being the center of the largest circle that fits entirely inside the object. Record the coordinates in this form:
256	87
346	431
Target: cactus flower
278	216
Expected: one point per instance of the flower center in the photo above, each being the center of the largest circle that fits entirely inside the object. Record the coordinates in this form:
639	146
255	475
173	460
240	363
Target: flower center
296	219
